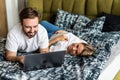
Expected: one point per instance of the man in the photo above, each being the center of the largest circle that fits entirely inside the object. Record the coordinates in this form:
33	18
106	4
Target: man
27	36
63	40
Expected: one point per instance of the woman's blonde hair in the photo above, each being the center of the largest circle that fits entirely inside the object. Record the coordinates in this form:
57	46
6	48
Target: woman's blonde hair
88	50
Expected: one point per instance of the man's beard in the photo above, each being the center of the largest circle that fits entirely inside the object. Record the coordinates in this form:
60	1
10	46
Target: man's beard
31	34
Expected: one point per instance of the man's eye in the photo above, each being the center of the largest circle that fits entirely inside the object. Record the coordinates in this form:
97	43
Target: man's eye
27	26
35	26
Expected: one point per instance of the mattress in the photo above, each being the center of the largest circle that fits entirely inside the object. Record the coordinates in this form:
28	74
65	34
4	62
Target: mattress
113	65
75	68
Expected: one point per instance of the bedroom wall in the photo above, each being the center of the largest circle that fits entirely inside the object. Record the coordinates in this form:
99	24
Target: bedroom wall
3	17
13	7
12	13
21	4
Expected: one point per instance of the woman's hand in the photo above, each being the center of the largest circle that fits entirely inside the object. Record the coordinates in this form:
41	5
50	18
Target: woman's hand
60	31
62	38
59	38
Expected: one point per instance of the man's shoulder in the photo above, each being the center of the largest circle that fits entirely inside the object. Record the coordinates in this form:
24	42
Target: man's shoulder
41	28
16	27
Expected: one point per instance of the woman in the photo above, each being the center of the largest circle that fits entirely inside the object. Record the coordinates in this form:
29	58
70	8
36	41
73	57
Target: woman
63	40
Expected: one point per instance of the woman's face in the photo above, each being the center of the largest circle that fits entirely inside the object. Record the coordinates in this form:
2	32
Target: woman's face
75	49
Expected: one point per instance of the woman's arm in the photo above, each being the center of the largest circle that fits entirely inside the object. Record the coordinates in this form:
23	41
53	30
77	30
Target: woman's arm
59	38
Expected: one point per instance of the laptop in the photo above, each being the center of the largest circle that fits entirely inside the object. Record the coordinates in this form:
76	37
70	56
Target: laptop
43	61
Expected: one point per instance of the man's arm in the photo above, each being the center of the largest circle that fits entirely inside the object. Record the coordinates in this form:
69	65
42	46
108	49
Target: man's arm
11	56
45	50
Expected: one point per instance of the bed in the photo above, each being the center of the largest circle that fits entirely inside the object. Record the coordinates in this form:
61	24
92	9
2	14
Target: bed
80	18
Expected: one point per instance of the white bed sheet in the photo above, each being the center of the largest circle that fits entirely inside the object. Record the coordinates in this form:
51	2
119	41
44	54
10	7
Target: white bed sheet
113	65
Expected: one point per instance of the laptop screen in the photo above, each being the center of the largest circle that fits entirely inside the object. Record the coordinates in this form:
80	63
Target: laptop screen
43	61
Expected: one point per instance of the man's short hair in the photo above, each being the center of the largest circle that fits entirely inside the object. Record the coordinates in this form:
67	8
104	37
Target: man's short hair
28	13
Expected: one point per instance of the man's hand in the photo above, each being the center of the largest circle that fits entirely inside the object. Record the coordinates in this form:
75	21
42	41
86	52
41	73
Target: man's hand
21	59
12	56
45	50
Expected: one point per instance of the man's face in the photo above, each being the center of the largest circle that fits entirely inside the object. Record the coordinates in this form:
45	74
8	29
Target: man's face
30	26
75	49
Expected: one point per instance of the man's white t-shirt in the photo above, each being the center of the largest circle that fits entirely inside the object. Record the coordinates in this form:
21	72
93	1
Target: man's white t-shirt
18	41
62	45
